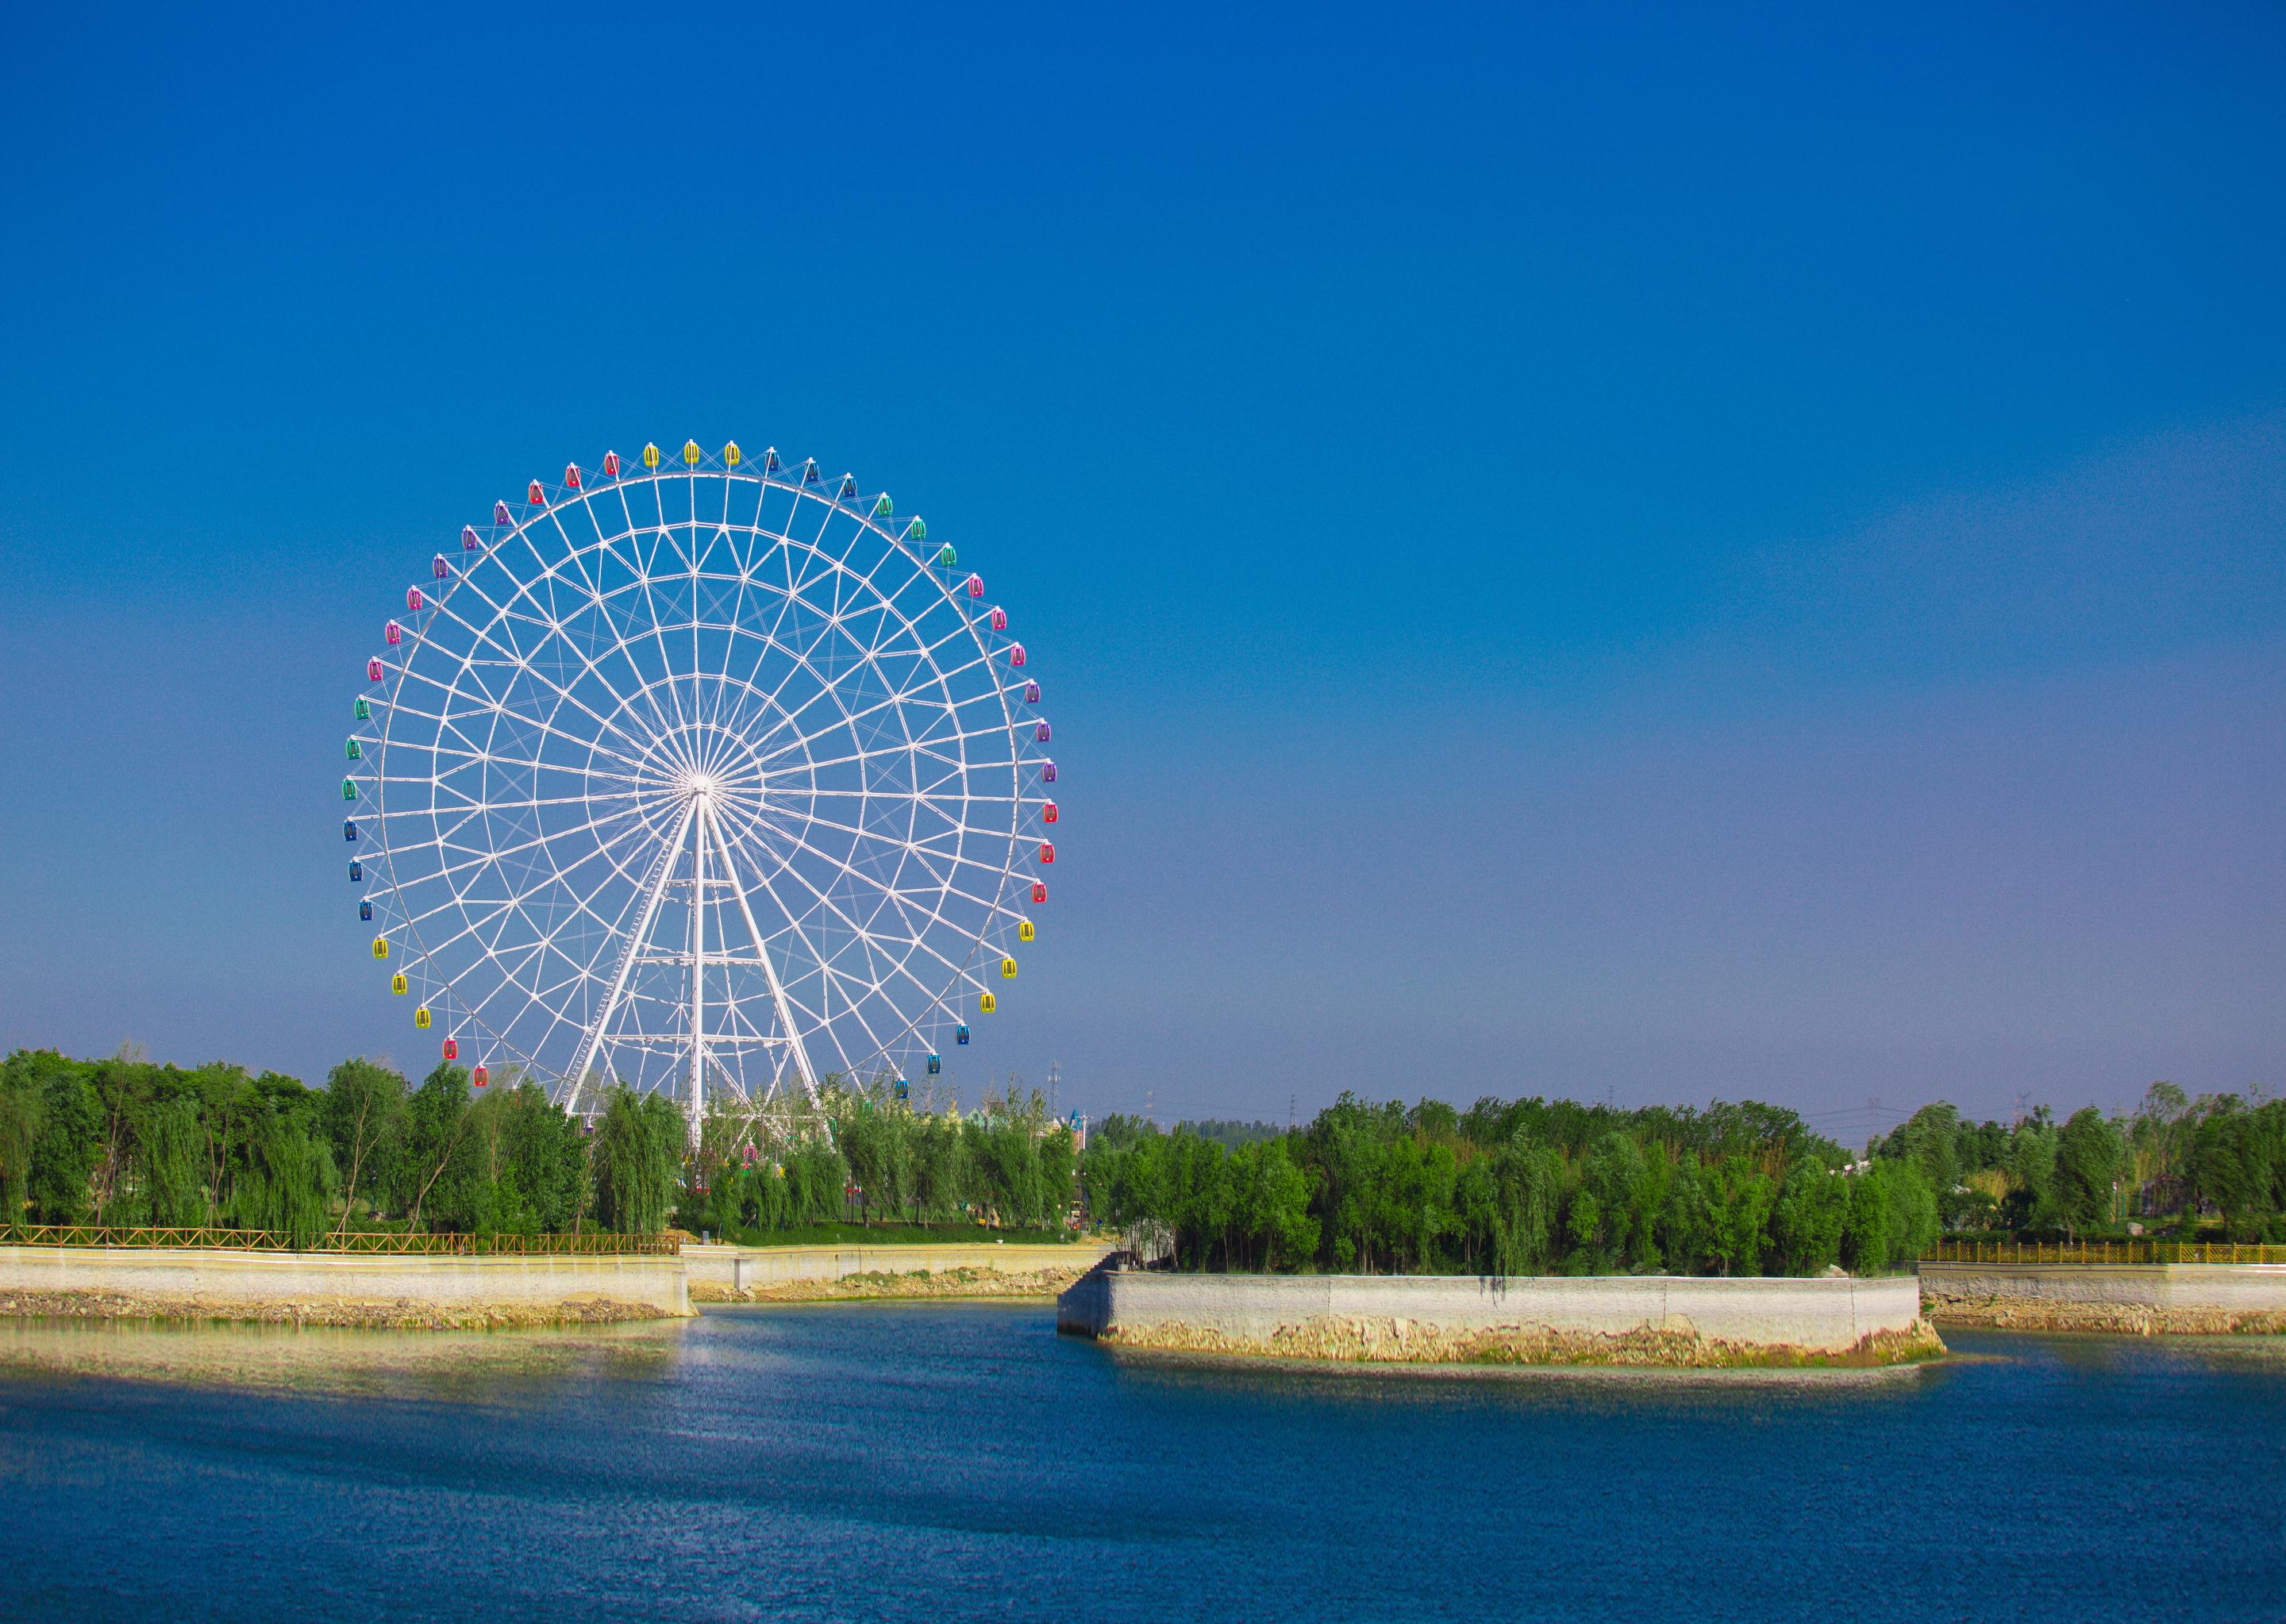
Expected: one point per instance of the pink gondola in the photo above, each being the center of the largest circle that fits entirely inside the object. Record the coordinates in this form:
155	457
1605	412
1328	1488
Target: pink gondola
1031	693
412	599
1047	772
439	568
538	497
1048	813
392	633
468	542
373	669
610	465
976	585
500	514
1047	851
1016	654
570	475
999	620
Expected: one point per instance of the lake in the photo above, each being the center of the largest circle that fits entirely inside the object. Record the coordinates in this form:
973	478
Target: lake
928	1462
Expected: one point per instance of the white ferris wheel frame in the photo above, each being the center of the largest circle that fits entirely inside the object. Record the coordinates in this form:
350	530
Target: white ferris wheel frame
608	739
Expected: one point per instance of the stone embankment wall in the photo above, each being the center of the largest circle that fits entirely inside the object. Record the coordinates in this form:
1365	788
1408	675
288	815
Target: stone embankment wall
2175	1298
1630	1320
337	1288
720	1273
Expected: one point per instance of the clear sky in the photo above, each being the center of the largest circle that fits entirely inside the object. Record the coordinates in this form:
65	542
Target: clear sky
1607	552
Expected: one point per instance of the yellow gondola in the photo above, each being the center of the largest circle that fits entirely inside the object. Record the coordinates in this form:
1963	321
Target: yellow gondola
381	947
1007	969
1024	930
730	455
984	1004
651	456
420	1017
691	454
397	982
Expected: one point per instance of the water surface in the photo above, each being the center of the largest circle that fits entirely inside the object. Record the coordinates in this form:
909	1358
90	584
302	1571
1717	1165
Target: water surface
927	1462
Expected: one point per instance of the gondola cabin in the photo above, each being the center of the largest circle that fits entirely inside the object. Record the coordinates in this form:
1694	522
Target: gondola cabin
1039	892
396	983
480	1077
904	1089
976	585
610	465
999	619
1047	772
452	1048
365	911
809	471
357	869
691	454
373	669
986	1003
747	1156
437	568
961	1033
770	460
356	751
361	711
1024	931
730	453
1031	693
349	833
935	1064
881	509
392	634
536	496
570	475
420	1018
501	515
381	947
1007	969
1048	812
916	532
468	542
348	789
651	456
1016	654
413	600
849	488
946	557
1047	851
1040	734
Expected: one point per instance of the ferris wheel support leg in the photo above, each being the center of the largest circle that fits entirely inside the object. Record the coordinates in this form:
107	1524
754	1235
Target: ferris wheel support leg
700	811
592	1044
770	972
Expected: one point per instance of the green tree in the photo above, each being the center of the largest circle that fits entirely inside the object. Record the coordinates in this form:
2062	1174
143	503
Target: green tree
2089	1151
364	1107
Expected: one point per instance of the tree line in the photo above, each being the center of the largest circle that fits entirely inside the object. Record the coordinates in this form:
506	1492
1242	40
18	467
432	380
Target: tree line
127	1143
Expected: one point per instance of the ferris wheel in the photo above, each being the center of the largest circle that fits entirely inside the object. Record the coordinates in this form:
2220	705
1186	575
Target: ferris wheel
711	774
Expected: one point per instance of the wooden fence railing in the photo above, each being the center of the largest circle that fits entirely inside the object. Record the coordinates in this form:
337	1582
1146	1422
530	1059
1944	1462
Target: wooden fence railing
593	1243
2103	1251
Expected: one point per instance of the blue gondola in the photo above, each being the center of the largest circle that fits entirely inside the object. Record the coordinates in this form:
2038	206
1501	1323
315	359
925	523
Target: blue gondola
365	911
770	462
937	1065
960	1034
904	1089
356	872
349	829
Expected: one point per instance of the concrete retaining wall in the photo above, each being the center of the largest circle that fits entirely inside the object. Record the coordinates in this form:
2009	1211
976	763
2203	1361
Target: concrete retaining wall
718	1271
2164	1297
331	1285
1261	1311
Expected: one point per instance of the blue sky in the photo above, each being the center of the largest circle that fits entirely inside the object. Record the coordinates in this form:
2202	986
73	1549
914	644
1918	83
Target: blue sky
1630	554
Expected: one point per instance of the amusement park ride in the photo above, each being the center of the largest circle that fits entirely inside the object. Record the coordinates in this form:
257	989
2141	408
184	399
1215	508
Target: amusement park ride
710	775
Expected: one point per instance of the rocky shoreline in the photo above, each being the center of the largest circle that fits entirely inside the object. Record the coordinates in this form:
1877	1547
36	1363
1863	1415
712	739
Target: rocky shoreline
943	1284
2119	1318
402	1315
1398	1341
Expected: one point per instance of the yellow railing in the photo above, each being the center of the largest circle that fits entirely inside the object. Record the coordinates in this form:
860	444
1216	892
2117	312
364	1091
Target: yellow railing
592	1243
2104	1251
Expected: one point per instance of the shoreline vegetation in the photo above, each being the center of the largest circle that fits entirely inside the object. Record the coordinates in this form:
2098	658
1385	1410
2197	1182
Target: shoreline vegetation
1391	1341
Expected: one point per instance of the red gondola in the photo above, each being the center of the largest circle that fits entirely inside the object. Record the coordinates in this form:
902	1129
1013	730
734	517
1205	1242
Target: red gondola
570	475
480	1077
1048	813
452	1048
1047	851
610	465
538	497
1040	891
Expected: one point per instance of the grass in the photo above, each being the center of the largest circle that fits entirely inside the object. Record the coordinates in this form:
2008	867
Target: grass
895	1234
